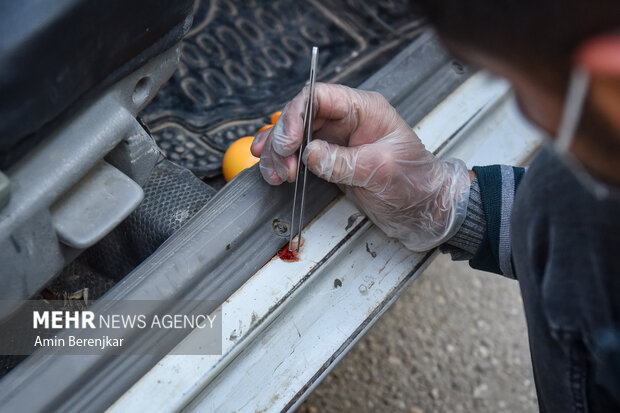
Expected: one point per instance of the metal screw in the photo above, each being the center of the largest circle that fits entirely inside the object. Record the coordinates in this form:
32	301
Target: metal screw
280	228
458	67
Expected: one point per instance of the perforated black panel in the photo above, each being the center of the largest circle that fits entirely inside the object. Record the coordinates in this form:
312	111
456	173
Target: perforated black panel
243	60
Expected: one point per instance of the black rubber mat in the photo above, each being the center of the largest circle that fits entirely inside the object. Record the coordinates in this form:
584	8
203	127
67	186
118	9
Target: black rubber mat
243	60
171	197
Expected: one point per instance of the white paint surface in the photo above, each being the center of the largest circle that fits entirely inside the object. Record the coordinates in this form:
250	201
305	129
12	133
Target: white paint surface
287	326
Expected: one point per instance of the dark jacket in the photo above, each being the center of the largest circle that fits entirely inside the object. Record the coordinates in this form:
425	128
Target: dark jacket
564	249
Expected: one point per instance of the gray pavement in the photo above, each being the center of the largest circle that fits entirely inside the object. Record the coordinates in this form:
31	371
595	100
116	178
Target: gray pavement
456	341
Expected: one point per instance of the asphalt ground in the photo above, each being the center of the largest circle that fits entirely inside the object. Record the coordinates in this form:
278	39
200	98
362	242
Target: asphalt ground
455	341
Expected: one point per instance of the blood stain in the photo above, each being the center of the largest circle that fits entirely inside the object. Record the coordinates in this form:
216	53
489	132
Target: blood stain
288	256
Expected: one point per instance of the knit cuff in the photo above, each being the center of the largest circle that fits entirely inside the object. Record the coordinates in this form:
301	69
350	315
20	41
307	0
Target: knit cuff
464	244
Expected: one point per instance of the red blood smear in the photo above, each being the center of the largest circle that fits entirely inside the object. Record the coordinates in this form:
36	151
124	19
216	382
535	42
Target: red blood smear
289	256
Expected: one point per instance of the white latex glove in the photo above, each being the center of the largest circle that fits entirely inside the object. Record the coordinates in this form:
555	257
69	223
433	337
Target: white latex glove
361	143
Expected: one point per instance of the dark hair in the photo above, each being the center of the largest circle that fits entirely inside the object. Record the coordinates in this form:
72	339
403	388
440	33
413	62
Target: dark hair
518	30
539	37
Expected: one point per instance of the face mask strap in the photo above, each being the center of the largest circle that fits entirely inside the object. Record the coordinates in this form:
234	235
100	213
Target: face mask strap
573	107
592	185
571	116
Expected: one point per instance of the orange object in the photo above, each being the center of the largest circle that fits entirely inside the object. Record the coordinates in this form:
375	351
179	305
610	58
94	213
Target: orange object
238	157
275	117
264	128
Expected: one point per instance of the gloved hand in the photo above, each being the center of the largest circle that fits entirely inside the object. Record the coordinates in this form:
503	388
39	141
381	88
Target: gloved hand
361	143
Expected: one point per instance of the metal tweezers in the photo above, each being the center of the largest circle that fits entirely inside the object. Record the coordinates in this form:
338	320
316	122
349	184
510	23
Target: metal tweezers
307	136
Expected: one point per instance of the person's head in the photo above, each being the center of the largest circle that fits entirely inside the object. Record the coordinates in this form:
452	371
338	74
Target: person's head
535	44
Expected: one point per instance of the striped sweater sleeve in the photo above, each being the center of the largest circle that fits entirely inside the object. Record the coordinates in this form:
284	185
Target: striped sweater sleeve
484	237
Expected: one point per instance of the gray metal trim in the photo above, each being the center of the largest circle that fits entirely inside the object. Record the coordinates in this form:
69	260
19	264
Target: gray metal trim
212	255
32	254
418	78
95	206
